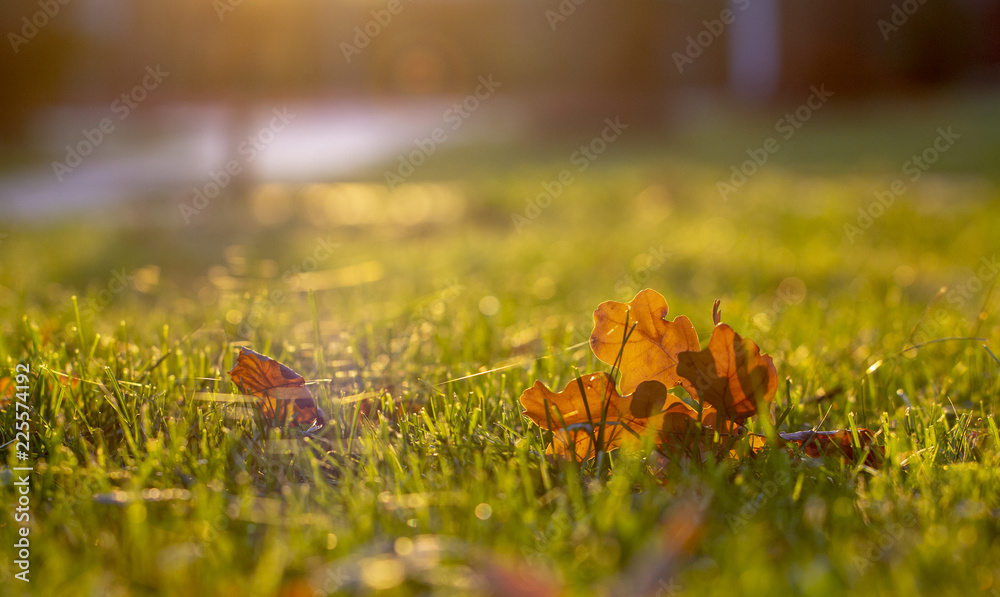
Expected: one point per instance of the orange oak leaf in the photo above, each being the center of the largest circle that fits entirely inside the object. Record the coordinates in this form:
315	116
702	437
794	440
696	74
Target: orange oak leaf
730	374
282	393
730	378
650	353
575	414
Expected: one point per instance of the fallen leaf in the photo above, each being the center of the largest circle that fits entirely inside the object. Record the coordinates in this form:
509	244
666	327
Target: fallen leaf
728	379
650	353
283	394
730	374
590	415
838	443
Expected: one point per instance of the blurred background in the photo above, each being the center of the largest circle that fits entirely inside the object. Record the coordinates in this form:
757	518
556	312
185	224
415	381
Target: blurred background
557	153
181	87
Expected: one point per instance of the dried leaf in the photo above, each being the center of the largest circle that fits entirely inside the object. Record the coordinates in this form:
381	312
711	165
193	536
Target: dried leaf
541	404
838	443
576	413
729	378
652	348
730	374
282	393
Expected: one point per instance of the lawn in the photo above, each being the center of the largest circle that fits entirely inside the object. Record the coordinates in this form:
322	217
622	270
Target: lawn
419	316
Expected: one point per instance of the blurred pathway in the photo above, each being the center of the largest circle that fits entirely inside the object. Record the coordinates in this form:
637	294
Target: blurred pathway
175	148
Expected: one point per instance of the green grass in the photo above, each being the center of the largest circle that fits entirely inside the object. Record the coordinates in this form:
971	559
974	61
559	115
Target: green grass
421	386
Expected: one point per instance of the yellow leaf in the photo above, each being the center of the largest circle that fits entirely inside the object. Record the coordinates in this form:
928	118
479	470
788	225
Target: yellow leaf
652	348
575	414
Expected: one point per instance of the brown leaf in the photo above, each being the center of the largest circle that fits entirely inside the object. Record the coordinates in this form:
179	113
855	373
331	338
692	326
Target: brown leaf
652	348
838	443
729	378
576	413
730	374
282	392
